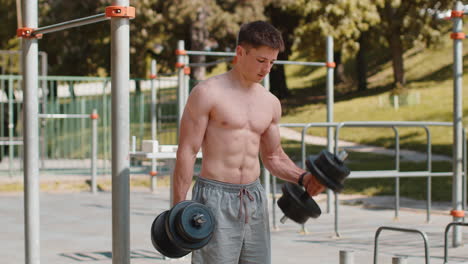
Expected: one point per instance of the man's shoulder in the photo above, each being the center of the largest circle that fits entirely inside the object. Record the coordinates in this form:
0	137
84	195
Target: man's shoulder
267	95
211	83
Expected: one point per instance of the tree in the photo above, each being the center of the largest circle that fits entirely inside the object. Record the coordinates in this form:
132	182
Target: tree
76	51
86	50
8	38
403	23
204	25
343	20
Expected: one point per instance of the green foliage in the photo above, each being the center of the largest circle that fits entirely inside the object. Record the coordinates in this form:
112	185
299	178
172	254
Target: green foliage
86	50
343	20
411	20
223	19
213	24
8	38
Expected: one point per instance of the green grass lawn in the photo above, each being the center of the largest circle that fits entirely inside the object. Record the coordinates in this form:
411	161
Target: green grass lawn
409	187
429	75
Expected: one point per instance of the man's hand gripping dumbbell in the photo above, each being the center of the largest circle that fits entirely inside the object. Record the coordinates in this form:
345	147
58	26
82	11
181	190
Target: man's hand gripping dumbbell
329	170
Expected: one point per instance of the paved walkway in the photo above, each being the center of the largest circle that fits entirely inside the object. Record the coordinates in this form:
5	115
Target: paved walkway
76	228
406	155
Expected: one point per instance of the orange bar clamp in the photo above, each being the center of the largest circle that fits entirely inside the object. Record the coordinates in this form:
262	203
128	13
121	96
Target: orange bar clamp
456	14
26	32
120	11
457	35
457	213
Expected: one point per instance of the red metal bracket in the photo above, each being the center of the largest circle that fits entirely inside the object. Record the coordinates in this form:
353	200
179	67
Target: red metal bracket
456	14
153	173
331	64
179	64
457	35
457	213
94	116
120	11
153	76
27	33
181	52
187	70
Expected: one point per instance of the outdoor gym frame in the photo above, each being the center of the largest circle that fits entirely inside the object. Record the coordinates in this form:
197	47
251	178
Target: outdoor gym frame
457	212
119	14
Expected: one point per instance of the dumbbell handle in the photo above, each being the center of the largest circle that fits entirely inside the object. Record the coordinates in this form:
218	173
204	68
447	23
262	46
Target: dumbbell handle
342	155
284	219
199	219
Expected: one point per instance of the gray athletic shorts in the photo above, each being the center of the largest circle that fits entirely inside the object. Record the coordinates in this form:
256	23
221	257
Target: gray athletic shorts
242	233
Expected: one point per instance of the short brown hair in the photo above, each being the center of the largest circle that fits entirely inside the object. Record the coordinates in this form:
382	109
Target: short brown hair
260	33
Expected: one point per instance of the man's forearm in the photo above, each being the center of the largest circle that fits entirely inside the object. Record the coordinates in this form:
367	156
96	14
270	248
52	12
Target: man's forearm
183	174
283	167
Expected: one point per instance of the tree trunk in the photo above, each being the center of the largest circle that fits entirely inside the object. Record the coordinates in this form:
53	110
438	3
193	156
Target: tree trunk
278	82
361	63
394	40
340	75
286	22
198	38
396	47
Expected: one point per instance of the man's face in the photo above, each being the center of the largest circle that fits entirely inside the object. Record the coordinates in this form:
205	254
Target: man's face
256	63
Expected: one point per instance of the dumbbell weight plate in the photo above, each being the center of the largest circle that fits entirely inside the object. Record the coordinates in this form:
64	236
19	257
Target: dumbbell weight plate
297	204
174	237
174	234
161	241
328	164
189	230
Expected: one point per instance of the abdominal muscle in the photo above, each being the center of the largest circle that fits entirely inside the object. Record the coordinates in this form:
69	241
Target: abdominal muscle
230	155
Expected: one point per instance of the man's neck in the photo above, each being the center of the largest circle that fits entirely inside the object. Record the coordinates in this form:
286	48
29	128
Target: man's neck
236	75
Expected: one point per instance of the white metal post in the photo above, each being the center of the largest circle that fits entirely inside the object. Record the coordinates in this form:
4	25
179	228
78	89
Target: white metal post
266	173
186	81
94	150
45	92
457	187
346	257
330	102
120	70
180	90
154	129
31	135
399	260
180	103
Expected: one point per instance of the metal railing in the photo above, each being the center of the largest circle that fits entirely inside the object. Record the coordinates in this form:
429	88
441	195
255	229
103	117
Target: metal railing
94	139
77	94
406	230
447	228
396	173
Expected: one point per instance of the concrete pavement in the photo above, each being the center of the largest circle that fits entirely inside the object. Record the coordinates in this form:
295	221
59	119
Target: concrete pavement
76	227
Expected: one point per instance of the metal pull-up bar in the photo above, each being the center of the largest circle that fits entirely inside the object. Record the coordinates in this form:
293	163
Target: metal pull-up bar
232	54
71	24
111	11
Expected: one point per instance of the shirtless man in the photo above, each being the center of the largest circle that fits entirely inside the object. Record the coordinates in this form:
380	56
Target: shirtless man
233	119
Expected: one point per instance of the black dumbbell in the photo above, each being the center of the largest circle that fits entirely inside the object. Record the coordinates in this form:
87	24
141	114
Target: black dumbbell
329	170
187	226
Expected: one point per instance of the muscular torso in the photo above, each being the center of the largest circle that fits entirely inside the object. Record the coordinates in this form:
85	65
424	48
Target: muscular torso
232	138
